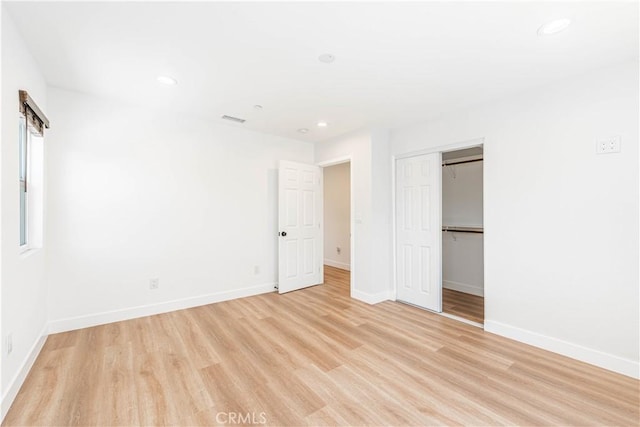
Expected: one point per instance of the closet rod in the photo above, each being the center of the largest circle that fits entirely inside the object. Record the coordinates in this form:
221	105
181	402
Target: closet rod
463	230
461	162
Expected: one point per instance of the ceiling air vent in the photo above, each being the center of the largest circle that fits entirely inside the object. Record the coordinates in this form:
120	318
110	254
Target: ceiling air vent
233	119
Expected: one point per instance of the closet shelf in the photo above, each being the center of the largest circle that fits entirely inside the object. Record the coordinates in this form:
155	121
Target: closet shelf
457	229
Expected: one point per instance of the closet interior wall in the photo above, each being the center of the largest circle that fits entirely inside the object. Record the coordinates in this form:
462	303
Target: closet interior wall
462	251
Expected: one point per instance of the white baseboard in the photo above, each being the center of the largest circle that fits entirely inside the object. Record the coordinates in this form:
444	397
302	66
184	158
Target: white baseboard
463	287
90	320
371	298
594	357
337	264
21	375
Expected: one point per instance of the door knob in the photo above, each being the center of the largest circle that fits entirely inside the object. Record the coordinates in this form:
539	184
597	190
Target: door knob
284	233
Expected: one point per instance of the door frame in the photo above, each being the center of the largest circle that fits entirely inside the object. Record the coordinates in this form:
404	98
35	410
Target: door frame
470	143
352	229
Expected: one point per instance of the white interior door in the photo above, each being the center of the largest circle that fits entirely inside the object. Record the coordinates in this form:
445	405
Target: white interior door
300	226
419	231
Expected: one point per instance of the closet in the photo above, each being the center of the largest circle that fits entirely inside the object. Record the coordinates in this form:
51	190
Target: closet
463	234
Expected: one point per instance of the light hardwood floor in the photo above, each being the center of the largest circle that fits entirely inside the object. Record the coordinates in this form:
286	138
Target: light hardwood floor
469	306
311	357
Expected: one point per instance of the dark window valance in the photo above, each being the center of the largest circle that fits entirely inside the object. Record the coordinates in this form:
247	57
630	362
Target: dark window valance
36	120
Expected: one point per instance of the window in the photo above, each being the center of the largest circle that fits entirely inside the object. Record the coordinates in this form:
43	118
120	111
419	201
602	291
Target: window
31	172
23	181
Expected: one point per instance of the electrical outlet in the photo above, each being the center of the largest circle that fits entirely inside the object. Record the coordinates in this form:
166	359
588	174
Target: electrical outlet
256	269
338	250
9	343
608	145
154	283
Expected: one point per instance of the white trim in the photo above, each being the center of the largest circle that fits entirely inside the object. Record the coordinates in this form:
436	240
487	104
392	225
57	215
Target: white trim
90	320
469	143
335	161
371	298
604	360
18	379
337	264
463	287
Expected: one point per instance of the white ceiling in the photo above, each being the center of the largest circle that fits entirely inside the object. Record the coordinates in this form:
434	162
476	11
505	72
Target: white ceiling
396	63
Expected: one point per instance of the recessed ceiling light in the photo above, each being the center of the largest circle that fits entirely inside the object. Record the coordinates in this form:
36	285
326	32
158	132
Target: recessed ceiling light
166	80
257	107
554	27
322	124
327	58
303	130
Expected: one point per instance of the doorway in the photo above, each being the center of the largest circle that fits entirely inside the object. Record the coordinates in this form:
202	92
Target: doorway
463	234
337	220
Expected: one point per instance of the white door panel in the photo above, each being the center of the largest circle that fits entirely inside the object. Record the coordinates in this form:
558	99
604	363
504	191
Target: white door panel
300	226
418	236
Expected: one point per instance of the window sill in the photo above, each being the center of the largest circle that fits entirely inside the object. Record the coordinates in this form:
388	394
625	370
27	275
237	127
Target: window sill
26	253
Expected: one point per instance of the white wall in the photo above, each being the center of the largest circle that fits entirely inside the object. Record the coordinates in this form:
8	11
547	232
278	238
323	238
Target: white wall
356	145
137	194
337	215
462	195
561	223
371	266
23	295
462	253
463	262
381	207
